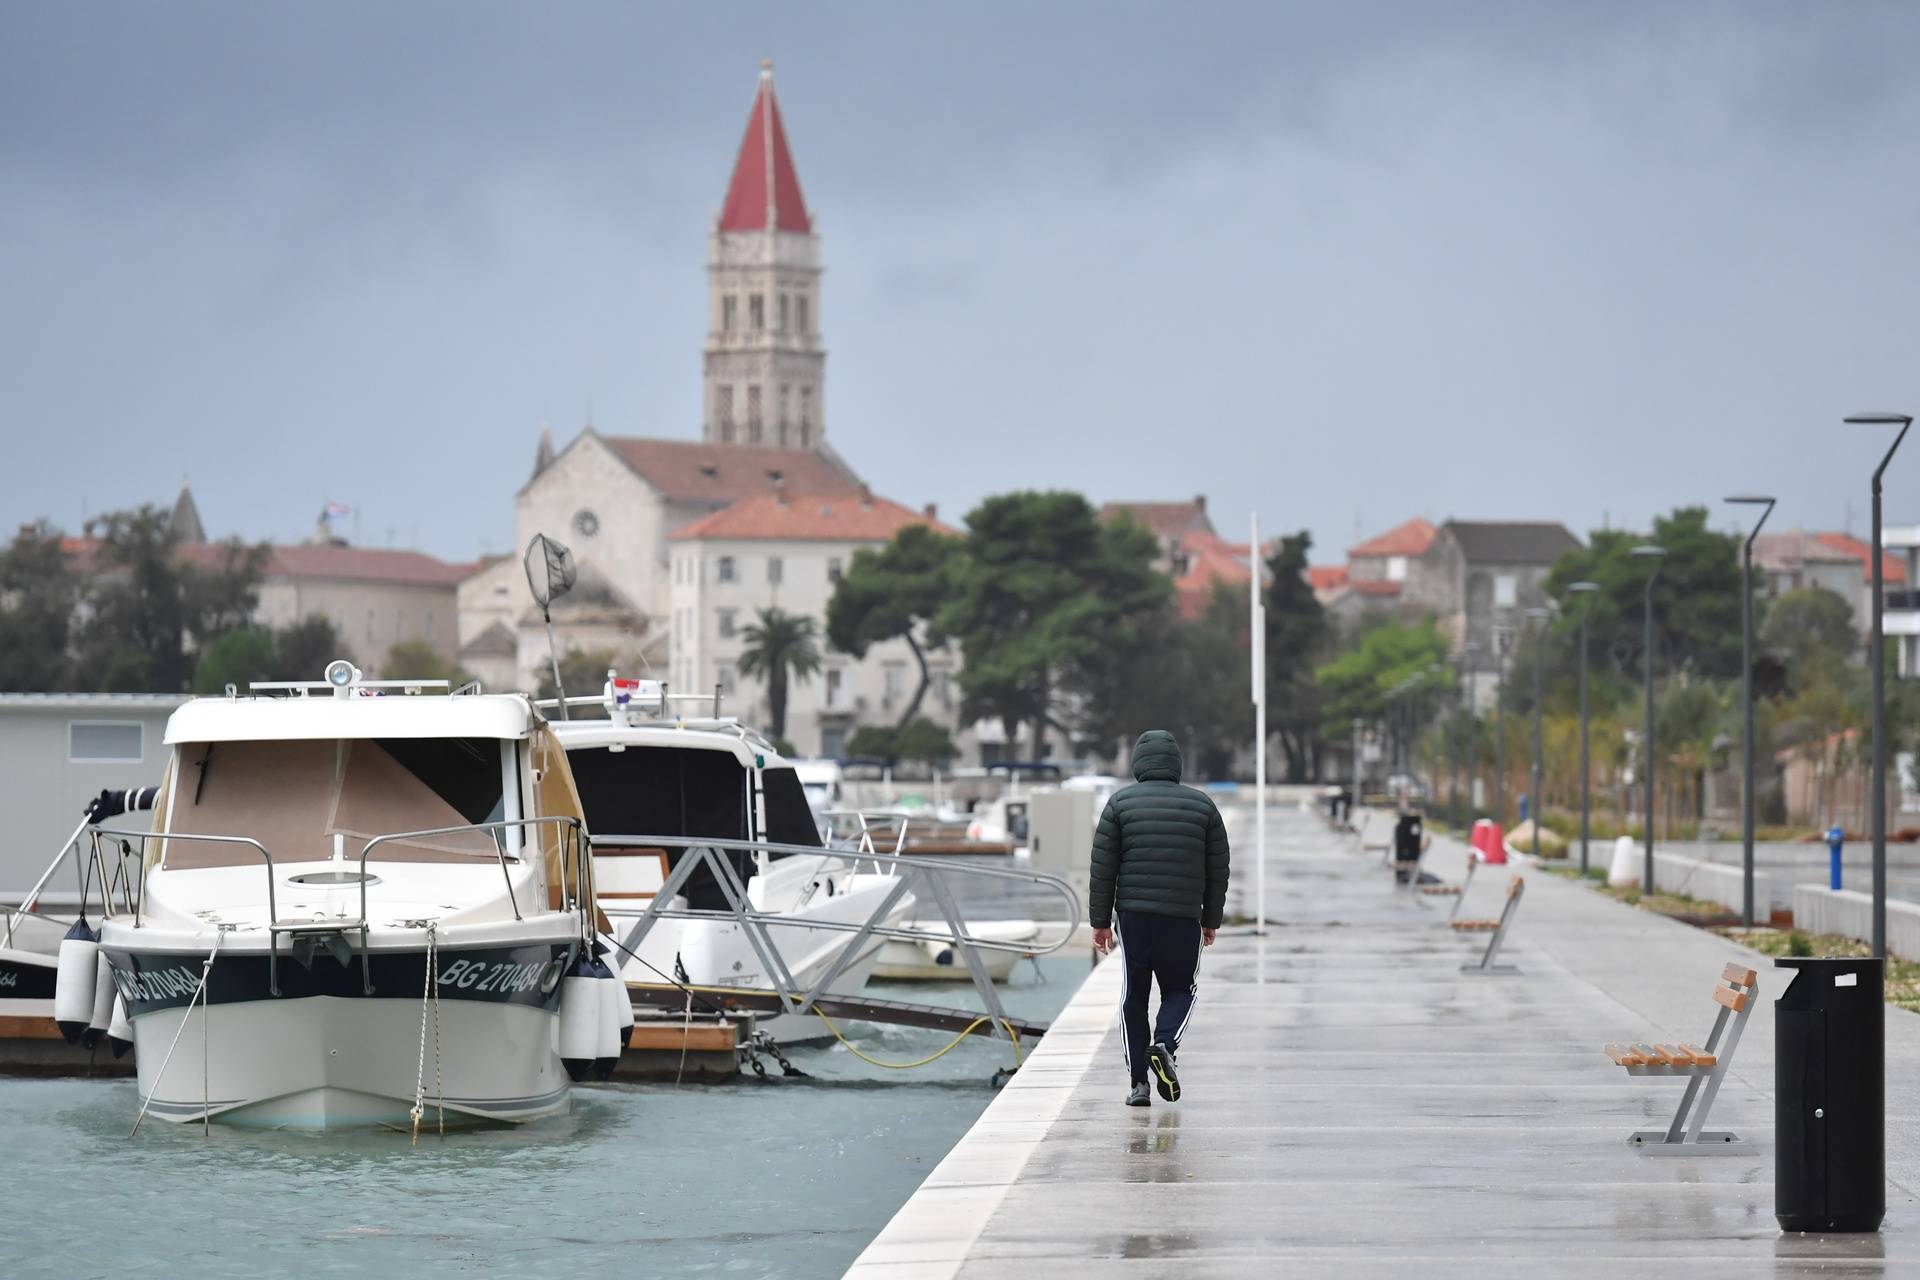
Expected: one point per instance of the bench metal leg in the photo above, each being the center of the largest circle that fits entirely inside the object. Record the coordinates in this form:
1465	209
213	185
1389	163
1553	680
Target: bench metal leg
1488	965
1698	1140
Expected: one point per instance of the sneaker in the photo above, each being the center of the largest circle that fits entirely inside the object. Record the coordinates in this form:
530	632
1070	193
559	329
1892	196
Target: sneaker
1140	1097
1160	1062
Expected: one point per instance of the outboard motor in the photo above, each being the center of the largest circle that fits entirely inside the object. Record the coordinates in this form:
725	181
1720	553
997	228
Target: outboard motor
75	982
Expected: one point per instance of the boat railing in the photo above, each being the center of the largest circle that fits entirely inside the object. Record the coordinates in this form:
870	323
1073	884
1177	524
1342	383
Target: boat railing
578	892
904	874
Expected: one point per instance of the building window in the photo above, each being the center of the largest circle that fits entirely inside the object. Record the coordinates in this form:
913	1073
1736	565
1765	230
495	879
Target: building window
785	416
729	309
753	413
834	570
894	675
833	742
801	308
105	741
757	312
943	689
724	570
1506	591
723	621
723	676
370	627
428	626
1396	568
775	570
400	624
783	313
723	409
833	687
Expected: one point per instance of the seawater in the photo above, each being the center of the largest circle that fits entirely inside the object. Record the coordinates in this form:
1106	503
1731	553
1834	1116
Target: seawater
786	1177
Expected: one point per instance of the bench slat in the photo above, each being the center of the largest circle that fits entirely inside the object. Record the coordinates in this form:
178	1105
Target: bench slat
1475	926
1737	973
1734	1000
1678	1056
1701	1058
1624	1056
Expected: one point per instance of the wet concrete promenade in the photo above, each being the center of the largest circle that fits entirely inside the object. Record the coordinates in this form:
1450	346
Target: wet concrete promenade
1356	1105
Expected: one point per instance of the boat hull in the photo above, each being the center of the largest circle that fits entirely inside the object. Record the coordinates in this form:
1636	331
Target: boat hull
325	1054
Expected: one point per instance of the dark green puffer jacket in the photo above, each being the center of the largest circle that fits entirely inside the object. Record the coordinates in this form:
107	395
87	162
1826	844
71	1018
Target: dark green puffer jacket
1160	847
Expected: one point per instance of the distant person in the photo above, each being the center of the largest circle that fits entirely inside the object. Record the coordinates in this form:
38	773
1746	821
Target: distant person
1160	857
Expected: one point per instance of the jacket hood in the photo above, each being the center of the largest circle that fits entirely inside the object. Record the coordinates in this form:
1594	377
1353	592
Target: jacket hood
1156	757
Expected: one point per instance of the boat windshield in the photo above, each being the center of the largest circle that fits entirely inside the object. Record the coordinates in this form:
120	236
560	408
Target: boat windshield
295	796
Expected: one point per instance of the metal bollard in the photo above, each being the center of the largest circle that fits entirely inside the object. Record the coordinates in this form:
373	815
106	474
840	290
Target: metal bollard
1835	838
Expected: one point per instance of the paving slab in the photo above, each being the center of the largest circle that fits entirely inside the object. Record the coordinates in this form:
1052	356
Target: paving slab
1354	1101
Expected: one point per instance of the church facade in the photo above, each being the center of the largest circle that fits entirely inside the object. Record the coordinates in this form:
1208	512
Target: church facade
623	504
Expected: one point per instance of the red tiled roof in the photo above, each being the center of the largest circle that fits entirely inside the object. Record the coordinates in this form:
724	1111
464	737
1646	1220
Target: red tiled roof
1326	577
304	560
847	516
1411	538
689	471
765	164
1891	567
1166	519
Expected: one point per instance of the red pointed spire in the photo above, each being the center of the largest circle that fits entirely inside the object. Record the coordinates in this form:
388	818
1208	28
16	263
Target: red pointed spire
765	192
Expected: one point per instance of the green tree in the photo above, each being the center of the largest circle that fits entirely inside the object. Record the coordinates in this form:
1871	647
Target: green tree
303	650
238	658
584	672
416	659
893	593
1810	627
38	592
149	607
1391	656
779	647
920	740
1696	602
1053	609
1297	644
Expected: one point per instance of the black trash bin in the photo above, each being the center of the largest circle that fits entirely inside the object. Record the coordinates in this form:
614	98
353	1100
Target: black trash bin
1830	1127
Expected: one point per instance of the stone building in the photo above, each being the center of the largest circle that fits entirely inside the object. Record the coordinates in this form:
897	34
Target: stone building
788	551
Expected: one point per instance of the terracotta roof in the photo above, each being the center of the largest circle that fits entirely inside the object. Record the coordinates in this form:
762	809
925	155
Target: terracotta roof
1512	541
1167	519
1891	567
765	165
303	560
1326	577
689	471
1411	538
847	516
1210	559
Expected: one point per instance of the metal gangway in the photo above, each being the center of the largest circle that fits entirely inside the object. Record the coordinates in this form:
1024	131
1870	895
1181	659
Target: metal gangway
861	852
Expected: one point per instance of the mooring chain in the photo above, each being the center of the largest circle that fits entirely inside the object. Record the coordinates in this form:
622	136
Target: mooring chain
765	1042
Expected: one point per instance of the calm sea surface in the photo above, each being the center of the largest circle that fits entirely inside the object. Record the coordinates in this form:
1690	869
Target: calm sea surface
776	1178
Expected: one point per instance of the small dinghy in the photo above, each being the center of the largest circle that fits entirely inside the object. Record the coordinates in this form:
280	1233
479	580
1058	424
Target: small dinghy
356	906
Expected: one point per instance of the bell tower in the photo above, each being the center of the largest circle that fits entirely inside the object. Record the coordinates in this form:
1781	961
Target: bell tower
764	365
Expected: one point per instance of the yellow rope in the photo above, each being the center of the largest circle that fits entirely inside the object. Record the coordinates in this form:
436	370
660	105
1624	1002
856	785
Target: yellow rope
933	1057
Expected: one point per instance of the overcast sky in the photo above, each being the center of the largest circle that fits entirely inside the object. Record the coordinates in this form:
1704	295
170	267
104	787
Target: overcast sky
1342	264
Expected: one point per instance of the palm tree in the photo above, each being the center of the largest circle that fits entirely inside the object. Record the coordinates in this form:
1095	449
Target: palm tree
779	645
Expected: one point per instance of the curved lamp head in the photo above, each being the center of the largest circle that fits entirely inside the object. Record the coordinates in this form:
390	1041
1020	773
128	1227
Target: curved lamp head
1750	499
1875	419
1582	588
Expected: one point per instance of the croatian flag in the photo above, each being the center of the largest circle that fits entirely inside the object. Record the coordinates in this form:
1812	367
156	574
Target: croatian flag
337	509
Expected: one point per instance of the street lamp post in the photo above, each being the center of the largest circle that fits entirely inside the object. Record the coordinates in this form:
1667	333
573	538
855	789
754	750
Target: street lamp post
1469	657
1586	771
1658	556
1538	617
1877	657
1746	703
1499	731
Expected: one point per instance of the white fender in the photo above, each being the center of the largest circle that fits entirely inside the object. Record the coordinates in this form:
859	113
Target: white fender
622	1010
606	1049
1624	870
582	1015
73	983
103	997
119	1030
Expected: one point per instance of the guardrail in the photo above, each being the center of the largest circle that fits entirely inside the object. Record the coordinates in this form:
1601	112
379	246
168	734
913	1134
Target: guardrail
906	873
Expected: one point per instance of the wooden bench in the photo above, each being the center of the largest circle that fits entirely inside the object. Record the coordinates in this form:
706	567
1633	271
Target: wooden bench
1458	891
1735	994
1496	930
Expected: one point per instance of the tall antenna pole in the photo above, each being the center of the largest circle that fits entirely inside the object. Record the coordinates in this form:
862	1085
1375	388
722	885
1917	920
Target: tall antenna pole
1257	630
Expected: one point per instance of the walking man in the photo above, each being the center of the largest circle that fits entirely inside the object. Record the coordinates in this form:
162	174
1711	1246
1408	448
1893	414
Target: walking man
1160	859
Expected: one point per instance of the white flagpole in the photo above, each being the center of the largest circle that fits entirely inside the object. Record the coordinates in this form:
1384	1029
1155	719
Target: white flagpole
1258	632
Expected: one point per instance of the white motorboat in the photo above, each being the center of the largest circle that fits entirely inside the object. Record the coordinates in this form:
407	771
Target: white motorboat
351	897
647	775
937	959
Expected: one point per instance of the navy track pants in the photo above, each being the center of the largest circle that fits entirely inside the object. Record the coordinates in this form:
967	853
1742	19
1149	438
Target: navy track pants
1163	949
